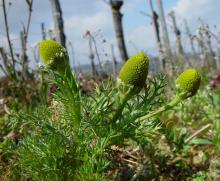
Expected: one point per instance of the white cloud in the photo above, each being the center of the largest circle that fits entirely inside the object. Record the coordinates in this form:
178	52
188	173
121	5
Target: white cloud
208	10
141	38
94	22
98	24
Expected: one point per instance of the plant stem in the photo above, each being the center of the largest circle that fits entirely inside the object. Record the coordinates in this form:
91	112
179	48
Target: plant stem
72	82
8	37
197	132
122	104
30	3
168	106
119	109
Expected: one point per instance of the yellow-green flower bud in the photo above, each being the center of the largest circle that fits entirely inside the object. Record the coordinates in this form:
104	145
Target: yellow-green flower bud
134	71
54	55
187	83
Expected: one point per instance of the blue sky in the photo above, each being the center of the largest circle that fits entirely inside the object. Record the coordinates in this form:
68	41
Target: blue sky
95	15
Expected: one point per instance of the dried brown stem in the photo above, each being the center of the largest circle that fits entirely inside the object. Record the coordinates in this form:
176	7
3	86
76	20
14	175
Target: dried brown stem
8	37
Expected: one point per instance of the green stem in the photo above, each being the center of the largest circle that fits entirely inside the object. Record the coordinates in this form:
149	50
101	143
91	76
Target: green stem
72	85
168	106
77	109
121	106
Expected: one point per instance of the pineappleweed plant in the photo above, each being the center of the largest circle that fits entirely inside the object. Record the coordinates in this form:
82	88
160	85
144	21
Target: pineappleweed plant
75	136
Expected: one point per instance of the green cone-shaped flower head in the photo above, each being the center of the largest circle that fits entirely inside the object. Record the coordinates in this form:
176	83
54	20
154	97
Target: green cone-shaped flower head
54	55
187	83
134	71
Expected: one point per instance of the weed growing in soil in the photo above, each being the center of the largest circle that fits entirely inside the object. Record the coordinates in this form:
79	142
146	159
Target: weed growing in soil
116	133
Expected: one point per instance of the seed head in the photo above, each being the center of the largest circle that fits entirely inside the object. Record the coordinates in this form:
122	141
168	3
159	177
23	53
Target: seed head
187	83
53	55
134	71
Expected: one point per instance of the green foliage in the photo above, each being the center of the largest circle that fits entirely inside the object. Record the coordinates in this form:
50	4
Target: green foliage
92	137
73	137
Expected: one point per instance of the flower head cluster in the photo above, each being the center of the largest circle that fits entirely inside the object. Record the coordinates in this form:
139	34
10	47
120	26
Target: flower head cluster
187	83
135	70
54	55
